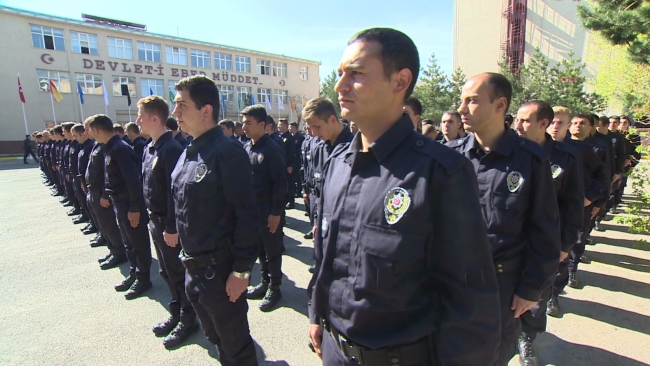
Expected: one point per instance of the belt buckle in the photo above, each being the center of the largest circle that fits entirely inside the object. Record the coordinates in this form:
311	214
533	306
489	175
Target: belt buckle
350	351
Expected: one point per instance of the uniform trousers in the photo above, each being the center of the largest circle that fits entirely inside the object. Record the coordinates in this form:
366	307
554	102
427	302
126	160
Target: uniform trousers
225	323
81	198
105	217
620	188
572	261
172	271
136	239
510	326
534	321
69	190
291	188
270	249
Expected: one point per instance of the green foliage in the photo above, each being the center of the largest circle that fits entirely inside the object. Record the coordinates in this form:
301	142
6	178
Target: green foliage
327	90
621	22
434	90
458	79
561	84
638	210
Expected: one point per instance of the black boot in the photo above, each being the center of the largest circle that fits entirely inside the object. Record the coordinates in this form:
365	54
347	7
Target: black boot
87	227
112	262
126	284
273	295
138	288
180	334
104	259
80	219
258	291
98	243
308	235
553	307
73	212
68	204
164	328
573	281
527	355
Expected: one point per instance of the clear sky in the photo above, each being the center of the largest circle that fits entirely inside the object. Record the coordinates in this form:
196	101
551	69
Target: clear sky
315	30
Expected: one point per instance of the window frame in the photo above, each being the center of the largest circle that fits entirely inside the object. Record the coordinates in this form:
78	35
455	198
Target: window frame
88	40
58	81
170	55
261	100
280	69
142	45
52	34
304	70
218	60
124	47
118	92
243	60
205	56
96	84
158	87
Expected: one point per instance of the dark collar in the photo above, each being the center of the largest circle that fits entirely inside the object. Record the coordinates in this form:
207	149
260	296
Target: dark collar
548	146
504	147
261	141
387	142
344	136
113	141
208	136
161	141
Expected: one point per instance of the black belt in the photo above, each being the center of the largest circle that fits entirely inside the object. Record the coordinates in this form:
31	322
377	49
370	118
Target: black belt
413	353
120	196
198	261
160	219
510	265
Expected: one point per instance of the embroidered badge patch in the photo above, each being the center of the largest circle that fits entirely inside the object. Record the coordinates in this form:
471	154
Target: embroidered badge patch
556	170
200	172
396	203
515	180
613	140
154	162
108	160
260	158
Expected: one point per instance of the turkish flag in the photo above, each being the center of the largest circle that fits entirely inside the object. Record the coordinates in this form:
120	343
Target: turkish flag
20	91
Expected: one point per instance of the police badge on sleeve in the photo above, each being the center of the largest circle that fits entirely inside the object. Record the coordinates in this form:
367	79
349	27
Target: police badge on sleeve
396	202
200	172
514	180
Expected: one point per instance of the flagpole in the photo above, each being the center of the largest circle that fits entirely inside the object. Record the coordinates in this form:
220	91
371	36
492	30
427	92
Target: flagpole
25	118
129	113
81	108
105	109
53	113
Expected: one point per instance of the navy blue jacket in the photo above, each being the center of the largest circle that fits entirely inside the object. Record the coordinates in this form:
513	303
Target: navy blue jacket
269	174
122	175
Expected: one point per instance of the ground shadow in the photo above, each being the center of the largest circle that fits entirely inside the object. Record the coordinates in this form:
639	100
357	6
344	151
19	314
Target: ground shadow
610	226
615	284
294	249
293	297
302	226
17	164
607	314
555	351
618	242
621	260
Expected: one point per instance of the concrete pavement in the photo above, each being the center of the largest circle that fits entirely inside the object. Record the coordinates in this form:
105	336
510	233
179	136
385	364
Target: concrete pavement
60	308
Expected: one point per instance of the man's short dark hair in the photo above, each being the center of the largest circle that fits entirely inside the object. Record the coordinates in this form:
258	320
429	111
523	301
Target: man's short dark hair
133	127
57	130
67	126
453	113
270	121
283	121
586	117
156	105
258	112
499	87
172	124
238	124
78	128
398	52
203	91
321	108
228	123
101	122
415	104
604	121
543	110
427	121
617	117
118	128
293	124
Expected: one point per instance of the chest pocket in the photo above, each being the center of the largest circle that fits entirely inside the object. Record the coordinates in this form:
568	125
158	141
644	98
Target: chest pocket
506	207
389	260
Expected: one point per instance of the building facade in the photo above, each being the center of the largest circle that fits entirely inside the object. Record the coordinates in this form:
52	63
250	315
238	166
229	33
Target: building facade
108	59
486	30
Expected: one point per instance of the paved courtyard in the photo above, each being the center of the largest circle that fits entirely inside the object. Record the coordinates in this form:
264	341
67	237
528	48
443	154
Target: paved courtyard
59	308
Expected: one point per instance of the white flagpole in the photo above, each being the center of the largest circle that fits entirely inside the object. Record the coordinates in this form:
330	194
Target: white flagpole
105	109
129	113
53	113
81	108
23	104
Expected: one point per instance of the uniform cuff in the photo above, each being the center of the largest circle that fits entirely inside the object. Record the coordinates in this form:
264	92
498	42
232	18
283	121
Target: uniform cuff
528	293
241	266
313	317
567	247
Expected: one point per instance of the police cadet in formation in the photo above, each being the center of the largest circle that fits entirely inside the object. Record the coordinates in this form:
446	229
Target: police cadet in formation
273	134
123	183
172	125
396	281
119	130
298	138
531	122
604	148
413	108
267	160
320	116
137	141
449	125
217	221
239	133
606	132
60	170
228	128
68	143
95	184
307	185
80	196
50	163
632	141
594	179
289	148
27	149
160	157
515	184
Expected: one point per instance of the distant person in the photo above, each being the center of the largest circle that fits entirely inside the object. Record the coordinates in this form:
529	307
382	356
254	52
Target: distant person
27	147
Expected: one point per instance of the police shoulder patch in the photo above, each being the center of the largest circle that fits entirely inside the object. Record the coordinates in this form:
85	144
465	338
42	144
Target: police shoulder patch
396	202
440	153
260	158
533	147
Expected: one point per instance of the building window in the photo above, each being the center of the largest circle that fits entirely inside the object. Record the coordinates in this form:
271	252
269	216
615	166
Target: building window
120	48
176	55
227	91
84	43
118	81
281	95
304	73
61	80
243	95
222	61
148	51
280	69
263	67
48	38
90	83
243	64
151	87
201	58
263	95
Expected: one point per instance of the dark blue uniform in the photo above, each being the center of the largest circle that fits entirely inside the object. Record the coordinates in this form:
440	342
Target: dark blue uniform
270	183
123	183
157	165
298	139
217	223
94	181
520	211
181	140
27	148
567	173
397	275
75	149
308	183
289	147
65	167
138	146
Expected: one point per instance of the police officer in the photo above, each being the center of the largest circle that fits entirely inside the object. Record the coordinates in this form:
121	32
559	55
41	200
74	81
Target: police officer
515	185
594	178
531	123
308	196
239	132
298	138
449	126
124	186
228	127
65	168
632	141
413	108
75	149
289	147
172	125
217	221
396	282
137	141
270	182
160	157
27	148
94	185
119	130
